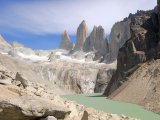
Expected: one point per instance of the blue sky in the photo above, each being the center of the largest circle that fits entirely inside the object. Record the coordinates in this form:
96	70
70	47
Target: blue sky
39	23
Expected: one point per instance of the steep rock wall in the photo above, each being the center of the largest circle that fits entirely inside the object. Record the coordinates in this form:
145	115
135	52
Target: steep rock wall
142	46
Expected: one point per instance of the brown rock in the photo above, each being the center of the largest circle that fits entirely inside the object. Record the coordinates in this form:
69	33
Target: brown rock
65	42
96	42
136	50
24	81
82	33
85	115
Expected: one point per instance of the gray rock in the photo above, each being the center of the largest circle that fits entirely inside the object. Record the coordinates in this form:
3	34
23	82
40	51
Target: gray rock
65	42
82	33
17	83
5	81
85	115
141	47
53	57
49	118
24	81
96	42
120	33
18	104
103	78
158	1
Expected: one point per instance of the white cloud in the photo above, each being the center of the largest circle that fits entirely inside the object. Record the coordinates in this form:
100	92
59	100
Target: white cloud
51	16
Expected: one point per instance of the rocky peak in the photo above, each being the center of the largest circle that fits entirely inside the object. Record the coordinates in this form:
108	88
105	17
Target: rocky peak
120	33
82	33
96	41
65	42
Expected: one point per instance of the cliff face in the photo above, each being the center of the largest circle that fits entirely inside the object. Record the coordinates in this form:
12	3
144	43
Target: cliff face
96	42
131	83
92	47
158	12
120	33
57	69
141	47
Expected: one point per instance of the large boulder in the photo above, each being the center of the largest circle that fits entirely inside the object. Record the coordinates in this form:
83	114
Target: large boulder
65	42
82	33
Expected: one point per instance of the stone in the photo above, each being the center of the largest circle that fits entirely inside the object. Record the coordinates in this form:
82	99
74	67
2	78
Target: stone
49	118
53	57
65	42
139	48
19	103
82	34
4	45
24	81
96	42
120	33
5	81
85	116
23	106
17	83
103	78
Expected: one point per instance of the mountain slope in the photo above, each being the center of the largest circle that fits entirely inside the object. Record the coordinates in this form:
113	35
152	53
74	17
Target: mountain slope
142	87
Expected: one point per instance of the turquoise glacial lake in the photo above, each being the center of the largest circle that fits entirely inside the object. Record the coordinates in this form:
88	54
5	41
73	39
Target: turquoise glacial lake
100	102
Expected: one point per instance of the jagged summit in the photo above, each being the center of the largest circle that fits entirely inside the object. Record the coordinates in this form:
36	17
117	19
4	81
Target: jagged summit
65	42
96	42
82	34
83	23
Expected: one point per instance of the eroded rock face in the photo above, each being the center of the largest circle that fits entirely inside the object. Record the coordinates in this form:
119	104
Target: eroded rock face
76	77
96	42
142	87
158	12
65	42
82	33
103	78
120	33
142	46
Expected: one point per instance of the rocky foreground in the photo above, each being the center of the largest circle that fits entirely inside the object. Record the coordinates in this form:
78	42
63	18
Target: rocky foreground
20	99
